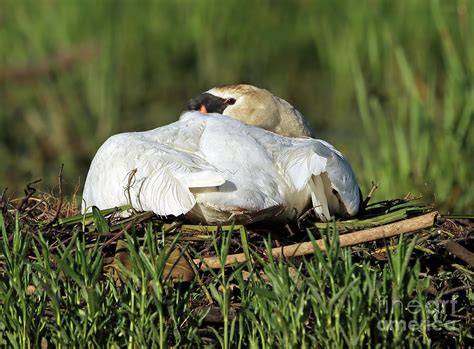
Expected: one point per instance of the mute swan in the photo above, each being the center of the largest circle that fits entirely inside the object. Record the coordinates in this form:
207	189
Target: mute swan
217	169
254	106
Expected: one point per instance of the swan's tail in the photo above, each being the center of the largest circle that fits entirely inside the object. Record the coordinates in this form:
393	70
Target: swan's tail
319	167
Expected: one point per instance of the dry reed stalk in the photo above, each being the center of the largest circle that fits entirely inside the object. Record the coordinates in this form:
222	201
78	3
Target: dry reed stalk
406	226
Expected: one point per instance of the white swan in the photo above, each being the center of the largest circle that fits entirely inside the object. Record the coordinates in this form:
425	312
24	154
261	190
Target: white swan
216	169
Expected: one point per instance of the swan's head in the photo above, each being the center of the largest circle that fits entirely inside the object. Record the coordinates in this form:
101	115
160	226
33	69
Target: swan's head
254	106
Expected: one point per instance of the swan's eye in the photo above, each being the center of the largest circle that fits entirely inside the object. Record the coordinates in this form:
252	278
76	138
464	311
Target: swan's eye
230	101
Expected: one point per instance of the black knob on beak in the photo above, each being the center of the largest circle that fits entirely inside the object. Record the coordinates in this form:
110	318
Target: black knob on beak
212	104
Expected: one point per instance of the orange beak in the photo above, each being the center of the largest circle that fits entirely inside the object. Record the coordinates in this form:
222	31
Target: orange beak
203	109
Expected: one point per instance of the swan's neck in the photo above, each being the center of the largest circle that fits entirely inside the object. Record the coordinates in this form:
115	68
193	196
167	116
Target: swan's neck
292	123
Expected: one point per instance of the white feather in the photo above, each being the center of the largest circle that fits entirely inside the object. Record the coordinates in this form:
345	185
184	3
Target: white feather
217	169
319	198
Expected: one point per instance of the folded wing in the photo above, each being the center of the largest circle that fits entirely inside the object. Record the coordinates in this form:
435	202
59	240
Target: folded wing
132	168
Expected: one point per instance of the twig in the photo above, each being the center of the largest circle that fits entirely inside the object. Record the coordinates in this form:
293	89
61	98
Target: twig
214	314
143	216
56	244
60	203
375	186
290	230
29	191
454	290
358	237
3	202
459	251
130	182
303	217
38	203
117	235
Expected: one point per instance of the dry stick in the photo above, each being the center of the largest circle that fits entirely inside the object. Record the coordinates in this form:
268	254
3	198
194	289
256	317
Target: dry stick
459	251
29	191
3	202
61	198
145	216
454	290
375	186
350	239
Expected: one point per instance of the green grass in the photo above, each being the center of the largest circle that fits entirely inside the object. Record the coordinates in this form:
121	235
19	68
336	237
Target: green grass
389	83
66	285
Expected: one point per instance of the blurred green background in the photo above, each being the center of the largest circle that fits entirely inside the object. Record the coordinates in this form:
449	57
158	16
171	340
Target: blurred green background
390	83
